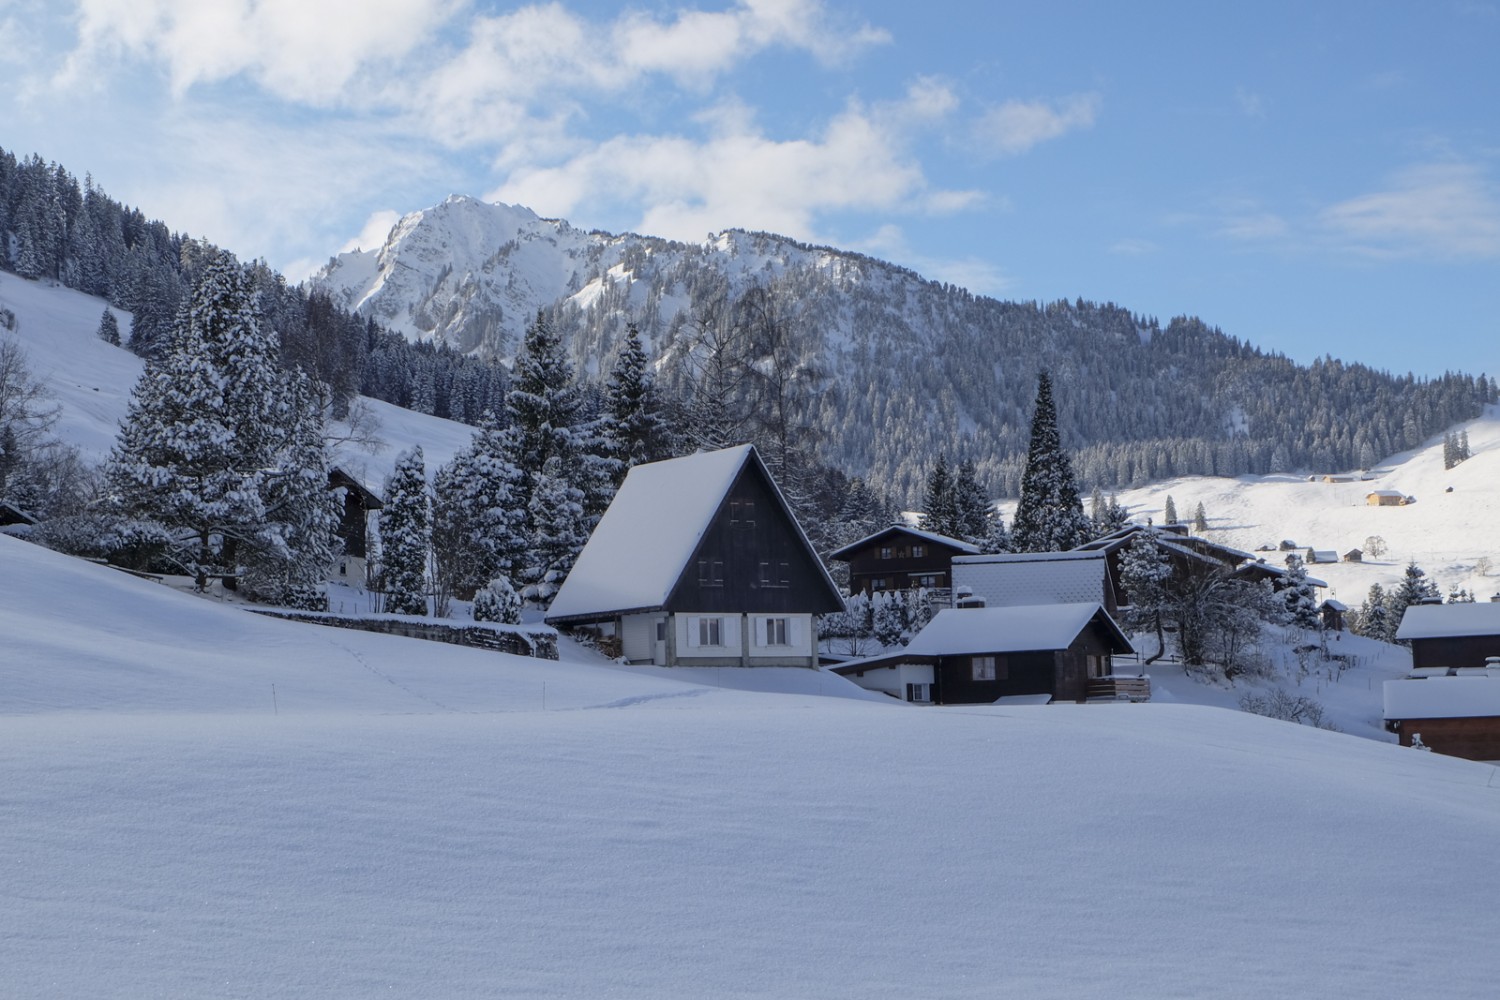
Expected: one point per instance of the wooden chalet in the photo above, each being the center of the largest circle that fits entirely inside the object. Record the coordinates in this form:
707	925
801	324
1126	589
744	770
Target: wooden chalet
1454	715
699	561
358	503
1354	555
1333	614
1321	556
1386	498
1451	635
1188	555
980	655
900	557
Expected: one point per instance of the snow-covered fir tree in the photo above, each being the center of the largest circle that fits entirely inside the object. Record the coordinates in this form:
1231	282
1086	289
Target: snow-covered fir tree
1169	512
1414	588
636	428
939	507
1049	517
479	525
972	512
1145	576
109	328
557	534
1297	595
1373	620
213	432
405	535
1200	518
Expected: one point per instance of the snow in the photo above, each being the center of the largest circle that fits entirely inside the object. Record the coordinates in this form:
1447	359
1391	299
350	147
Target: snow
417	819
930	536
1443	621
652	528
1442	698
955	631
1030	578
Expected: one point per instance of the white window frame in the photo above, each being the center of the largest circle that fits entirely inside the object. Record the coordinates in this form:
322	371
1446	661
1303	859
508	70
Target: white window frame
777	631
710	631
984	667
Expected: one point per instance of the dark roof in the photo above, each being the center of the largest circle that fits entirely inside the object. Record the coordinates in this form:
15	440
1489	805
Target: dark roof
337	478
11	514
957	544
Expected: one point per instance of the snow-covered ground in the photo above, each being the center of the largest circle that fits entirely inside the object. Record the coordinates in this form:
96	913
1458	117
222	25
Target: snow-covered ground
201	802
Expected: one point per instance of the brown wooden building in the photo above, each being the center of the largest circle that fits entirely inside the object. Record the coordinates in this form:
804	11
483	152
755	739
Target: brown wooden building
1458	716
899	557
976	656
358	503
1451	635
699	562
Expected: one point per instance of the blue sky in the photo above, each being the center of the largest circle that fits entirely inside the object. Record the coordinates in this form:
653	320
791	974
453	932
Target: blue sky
1316	178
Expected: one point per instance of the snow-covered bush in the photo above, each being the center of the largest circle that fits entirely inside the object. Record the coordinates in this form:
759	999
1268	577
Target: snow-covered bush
1278	704
497	602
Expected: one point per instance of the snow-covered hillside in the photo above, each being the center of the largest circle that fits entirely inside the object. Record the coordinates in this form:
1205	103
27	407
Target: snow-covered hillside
199	802
91	381
1447	533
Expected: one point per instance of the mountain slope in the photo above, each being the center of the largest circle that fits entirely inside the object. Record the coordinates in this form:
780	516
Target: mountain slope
908	367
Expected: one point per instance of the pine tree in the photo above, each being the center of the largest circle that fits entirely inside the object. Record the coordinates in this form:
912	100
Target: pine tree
1297	595
109	328
1200	518
972	510
1414	588
1049	517
636	428
1169	514
478	521
405	535
557	532
1374	618
940	509
1145	575
497	601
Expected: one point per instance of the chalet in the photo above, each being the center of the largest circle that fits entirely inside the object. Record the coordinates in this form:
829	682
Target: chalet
1354	555
977	656
699	562
10	514
899	557
1338	478
1188	555
1333	613
1451	635
1386	498
1458	716
1030	578
1321	556
357	503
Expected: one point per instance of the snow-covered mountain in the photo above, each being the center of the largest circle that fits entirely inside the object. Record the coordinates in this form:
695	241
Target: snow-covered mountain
908	368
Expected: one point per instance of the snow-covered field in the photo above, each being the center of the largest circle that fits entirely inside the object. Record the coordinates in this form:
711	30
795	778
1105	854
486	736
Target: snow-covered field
201	802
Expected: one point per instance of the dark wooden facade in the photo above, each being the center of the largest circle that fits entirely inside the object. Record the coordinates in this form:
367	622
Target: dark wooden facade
1454	651
753	559
898	558
354	521
1473	738
1062	673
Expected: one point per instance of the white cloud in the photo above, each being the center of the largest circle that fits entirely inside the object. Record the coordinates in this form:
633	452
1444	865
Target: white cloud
376	228
739	177
1016	126
1451	210
296	49
1251	104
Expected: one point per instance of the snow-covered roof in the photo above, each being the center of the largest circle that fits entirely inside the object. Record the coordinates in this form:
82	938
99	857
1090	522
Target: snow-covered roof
1448	621
1333	605
1442	698
1019	629
650	531
1032	577
904	529
1385	493
653	526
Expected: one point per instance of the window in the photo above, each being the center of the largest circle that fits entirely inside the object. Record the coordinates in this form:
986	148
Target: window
918	551
887	552
661	630
984	668
880	583
710	631
927	580
710	573
775	574
776	632
918	692
742	513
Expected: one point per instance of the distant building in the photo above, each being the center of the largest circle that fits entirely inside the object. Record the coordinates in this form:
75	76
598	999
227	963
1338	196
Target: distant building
357	503
1322	556
899	557
978	656
1458	716
1354	555
1451	635
1386	498
1333	613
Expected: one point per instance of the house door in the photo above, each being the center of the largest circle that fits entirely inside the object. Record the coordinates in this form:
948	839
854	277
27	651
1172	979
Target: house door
659	656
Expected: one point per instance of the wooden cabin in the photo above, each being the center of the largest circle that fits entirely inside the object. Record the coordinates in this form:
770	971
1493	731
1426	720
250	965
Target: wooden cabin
1451	635
1386	498
977	656
900	557
1458	716
1021	578
699	561
1354	555
1333	613
1187	555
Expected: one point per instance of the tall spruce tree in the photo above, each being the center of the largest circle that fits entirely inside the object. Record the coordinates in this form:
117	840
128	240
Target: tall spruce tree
478	523
405	535
213	432
635	426
972	512
1297	595
939	509
1049	517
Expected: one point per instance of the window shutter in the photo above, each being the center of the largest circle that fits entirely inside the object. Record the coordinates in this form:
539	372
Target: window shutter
794	632
692	632
732	631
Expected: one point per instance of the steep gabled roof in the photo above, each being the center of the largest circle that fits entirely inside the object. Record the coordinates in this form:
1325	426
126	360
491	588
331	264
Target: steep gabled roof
901	529
645	540
1442	698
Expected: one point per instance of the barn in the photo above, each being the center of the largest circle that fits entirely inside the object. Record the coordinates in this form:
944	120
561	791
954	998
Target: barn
1451	635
